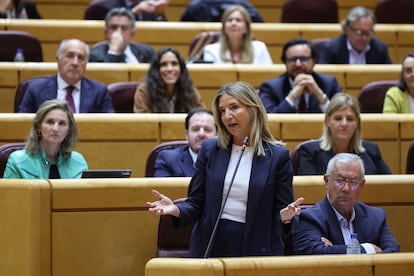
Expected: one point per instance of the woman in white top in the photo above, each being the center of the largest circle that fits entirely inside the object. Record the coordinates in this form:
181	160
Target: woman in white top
235	43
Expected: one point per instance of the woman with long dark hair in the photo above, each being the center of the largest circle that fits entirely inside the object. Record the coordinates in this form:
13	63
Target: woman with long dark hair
168	87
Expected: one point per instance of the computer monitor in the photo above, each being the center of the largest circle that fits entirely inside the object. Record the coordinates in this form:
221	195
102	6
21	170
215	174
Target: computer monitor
122	173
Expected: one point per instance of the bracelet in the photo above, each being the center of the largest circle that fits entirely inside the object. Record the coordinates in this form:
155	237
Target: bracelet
286	221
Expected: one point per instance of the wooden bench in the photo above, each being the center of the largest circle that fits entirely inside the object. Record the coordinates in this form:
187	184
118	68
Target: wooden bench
107	139
179	35
102	226
270	10
341	265
207	78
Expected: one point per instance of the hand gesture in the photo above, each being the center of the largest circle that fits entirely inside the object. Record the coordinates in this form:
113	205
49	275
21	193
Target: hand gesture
163	206
117	42
287	213
309	85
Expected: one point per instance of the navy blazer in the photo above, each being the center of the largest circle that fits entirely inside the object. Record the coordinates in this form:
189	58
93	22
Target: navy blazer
336	52
270	190
94	96
174	162
143	52
321	221
273	93
313	160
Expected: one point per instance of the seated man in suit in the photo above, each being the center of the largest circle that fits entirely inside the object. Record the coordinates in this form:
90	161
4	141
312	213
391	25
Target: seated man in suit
199	126
299	89
84	95
357	45
327	226
119	30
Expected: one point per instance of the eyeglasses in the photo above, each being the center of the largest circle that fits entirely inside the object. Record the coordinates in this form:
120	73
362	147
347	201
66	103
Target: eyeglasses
360	32
303	59
340	182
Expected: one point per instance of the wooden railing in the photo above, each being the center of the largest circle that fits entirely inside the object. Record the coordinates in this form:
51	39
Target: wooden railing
125	140
102	227
399	38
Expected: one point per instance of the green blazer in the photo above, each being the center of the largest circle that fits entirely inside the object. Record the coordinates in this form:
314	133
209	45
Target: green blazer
396	101
23	165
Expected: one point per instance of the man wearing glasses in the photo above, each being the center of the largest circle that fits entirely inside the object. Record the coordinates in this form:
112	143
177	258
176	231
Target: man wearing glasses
327	226
299	89
357	45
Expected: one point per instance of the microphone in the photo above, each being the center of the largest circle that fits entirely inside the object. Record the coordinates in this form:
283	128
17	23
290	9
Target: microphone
213	233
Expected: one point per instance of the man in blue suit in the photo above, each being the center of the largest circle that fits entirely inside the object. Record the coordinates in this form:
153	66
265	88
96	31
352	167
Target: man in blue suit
88	96
199	126
326	227
357	45
300	89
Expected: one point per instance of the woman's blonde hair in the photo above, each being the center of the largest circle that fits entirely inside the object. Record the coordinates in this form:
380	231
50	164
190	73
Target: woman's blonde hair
259	132
248	53
339	102
34	137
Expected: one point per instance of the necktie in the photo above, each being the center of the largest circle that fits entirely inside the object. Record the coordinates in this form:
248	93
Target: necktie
69	98
302	104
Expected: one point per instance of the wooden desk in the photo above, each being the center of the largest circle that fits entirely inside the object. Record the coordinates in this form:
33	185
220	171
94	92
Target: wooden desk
105	139
179	35
102	226
271	11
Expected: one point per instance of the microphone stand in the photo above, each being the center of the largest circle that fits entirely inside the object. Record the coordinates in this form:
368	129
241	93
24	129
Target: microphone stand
213	233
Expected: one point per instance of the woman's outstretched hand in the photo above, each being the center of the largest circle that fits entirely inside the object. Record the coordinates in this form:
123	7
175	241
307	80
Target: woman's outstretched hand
163	206
287	213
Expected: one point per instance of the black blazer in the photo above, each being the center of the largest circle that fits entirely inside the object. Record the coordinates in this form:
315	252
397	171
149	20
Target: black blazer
313	160
143	52
336	52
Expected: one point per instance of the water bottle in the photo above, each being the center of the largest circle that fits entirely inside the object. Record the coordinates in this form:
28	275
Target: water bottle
353	247
19	57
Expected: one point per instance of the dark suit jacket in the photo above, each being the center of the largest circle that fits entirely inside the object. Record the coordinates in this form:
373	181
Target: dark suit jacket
273	93
336	52
270	190
313	160
211	10
94	96
174	162
321	221
101	9
143	52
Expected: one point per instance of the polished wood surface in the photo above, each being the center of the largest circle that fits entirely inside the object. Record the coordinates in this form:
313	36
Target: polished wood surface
102	226
125	140
398	37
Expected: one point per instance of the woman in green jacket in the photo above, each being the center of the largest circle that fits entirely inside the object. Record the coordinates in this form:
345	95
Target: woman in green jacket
400	99
48	151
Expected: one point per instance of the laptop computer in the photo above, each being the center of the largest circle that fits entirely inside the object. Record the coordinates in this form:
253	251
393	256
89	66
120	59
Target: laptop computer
122	173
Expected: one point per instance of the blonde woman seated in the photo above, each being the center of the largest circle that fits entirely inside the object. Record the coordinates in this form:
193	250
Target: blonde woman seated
235	43
48	151
341	133
400	99
168	87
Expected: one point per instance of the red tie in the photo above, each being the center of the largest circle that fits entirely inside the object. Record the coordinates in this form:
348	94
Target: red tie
302	104
69	98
